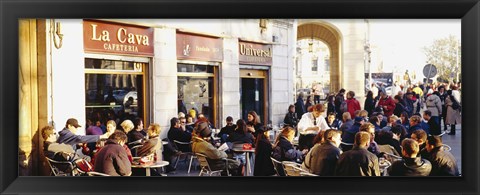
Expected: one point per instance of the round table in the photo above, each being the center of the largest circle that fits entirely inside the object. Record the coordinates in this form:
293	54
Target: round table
147	167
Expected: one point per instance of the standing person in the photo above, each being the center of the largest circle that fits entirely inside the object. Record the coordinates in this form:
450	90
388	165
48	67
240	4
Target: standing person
399	105
339	98
201	143
352	103
300	106
309	126
253	123
263	150
443	162
68	134
369	104
453	114
358	161
409	103
322	158
226	131
308	102
442	94
291	117
317	92
434	105
386	103
411	164
374	90
177	133
331	104
112	158
433	126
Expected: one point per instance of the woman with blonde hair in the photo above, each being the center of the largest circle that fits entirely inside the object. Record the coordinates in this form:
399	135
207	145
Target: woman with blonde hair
127	126
283	147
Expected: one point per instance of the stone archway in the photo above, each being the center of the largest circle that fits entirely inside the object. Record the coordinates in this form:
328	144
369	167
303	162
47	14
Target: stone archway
332	39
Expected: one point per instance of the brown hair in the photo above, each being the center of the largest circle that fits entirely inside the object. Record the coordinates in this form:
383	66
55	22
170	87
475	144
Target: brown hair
256	119
410	146
328	135
118	136
285	131
421	135
47	131
361	138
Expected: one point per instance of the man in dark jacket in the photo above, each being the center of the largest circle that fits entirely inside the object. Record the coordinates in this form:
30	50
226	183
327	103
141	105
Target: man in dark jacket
347	122
434	127
300	106
348	136
322	158
68	136
410	165
291	117
415	124
177	133
358	161
227	130
443	162
112	159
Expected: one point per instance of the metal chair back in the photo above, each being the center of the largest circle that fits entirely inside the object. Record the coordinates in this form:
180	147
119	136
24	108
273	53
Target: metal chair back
277	165
205	166
61	168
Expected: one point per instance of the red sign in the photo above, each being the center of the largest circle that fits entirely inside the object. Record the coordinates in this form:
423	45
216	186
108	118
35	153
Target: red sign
106	37
254	53
197	47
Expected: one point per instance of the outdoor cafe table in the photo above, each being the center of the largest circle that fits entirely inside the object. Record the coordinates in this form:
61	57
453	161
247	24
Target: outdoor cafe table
247	158
147	167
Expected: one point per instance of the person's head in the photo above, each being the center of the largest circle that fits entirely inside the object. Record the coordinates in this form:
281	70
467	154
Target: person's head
333	136
414	120
127	125
111	126
291	108
433	141
318	109
153	130
397	131
252	117
98	123
202	129
183	121
351	94
419	135
374	120
410	148
346	116
441	89
369	128
362	139
229	121
301	95
189	119
181	114
330	117
319	137
427	114
363	114
404	117
397	99
72	125
379	116
119	137
288	132
392	120
175	122
89	122
370	94
241	126
341	91
48	134
200	115
384	137
138	123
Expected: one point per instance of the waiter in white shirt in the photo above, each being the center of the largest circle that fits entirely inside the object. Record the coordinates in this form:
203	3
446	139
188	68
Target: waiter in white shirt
309	126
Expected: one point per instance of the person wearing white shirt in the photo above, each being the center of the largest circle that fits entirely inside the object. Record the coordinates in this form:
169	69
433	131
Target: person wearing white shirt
309	126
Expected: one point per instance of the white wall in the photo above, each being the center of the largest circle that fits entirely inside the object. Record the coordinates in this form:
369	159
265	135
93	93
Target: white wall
68	76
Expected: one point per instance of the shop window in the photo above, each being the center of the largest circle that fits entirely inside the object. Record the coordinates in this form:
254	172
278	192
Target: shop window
114	90
196	90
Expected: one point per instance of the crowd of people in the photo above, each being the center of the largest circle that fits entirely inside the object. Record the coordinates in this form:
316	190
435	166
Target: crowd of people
349	141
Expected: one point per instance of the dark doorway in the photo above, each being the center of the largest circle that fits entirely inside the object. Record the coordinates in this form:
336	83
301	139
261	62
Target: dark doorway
253	97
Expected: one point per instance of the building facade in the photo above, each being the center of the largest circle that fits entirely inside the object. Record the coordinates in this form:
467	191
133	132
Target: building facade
152	69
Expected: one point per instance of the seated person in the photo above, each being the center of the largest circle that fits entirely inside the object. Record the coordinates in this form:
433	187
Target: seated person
68	136
137	134
201	144
53	150
323	157
112	159
241	135
443	162
283	149
411	164
358	161
332	122
227	130
177	133
151	146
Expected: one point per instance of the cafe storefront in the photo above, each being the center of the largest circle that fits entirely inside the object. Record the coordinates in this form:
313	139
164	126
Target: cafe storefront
117	63
198	59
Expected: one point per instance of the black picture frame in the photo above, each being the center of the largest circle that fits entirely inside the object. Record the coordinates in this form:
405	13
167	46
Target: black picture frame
11	11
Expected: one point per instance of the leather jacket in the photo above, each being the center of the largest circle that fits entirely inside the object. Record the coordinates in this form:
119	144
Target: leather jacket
410	167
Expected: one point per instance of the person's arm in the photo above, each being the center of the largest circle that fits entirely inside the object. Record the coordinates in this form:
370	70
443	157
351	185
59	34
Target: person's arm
323	124
213	153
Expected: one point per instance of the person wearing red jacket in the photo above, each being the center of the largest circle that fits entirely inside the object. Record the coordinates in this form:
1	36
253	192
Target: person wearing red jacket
352	104
386	103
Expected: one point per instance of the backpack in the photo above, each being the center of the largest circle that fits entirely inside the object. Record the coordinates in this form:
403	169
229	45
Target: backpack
344	106
278	153
455	104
